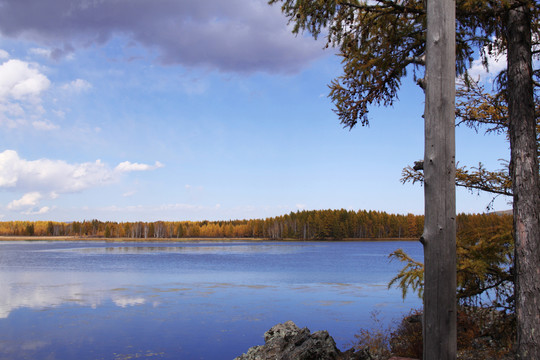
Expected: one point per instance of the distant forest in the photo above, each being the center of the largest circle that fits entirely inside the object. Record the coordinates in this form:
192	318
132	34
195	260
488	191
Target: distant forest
301	225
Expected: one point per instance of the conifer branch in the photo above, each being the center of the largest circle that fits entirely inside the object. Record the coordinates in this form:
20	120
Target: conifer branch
387	4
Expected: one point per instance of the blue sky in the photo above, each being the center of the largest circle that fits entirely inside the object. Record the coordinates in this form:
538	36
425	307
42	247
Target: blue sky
178	110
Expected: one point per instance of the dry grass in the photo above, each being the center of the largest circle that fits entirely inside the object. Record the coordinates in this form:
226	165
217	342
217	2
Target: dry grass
482	333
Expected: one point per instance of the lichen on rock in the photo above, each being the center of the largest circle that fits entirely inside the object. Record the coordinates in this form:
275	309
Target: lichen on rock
287	341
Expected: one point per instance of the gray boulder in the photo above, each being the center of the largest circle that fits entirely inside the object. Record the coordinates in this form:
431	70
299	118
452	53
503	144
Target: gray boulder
288	342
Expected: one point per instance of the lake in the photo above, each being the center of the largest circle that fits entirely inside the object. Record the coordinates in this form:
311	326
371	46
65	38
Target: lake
195	300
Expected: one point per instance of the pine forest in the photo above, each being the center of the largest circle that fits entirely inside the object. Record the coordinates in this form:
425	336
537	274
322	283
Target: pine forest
300	225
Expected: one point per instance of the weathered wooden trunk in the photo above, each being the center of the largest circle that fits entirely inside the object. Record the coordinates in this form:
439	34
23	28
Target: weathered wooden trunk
439	236
525	182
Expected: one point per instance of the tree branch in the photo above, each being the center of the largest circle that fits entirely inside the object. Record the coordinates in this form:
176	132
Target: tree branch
387	4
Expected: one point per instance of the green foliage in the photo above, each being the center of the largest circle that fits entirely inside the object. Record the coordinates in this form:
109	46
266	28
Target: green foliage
376	41
477	108
484	262
410	277
379	41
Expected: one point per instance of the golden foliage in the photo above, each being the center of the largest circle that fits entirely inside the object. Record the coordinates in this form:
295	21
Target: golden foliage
302	225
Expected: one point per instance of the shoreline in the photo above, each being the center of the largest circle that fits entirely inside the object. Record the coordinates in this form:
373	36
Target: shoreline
182	240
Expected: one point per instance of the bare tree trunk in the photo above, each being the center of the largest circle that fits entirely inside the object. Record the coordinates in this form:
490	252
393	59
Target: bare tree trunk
439	236
525	182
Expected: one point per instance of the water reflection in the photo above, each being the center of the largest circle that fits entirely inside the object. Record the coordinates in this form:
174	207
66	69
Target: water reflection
52	289
224	249
193	301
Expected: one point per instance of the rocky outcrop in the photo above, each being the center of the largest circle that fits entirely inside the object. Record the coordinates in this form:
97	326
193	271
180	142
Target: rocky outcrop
288	342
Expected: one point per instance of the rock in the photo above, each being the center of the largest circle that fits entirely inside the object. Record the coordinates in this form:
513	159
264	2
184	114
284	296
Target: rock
288	342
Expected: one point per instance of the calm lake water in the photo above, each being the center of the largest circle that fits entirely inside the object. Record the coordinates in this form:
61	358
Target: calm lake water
203	300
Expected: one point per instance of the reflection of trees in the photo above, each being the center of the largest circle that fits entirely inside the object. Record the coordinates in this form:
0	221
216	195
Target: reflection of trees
229	248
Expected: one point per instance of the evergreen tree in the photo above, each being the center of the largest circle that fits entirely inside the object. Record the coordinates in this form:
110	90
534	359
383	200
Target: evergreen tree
380	40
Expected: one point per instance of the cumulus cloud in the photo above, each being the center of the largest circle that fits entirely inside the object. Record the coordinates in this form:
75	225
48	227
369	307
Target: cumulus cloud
29	203
20	80
21	87
51	175
28	200
45	178
234	35
4	54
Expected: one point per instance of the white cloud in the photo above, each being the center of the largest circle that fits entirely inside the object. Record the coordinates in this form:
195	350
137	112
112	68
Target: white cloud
28	200
60	113
11	123
8	160
4	54
78	85
40	211
11	109
495	64
51	175
19	80
21	87
29	203
50	178
44	125
127	166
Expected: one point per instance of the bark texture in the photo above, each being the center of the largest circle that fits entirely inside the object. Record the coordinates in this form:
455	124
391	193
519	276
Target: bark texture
525	182
439	236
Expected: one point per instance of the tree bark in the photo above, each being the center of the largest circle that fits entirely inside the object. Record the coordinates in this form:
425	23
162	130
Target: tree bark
525	182
439	236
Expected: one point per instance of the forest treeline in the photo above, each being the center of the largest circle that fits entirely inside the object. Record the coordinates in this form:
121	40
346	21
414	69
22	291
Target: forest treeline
300	225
